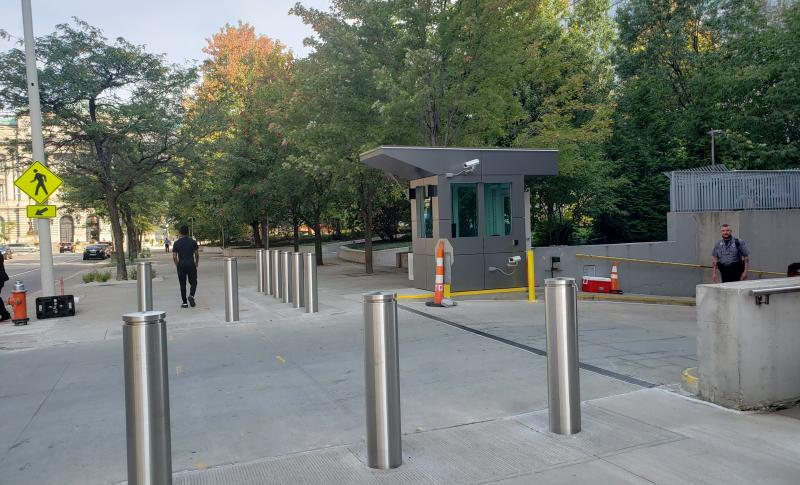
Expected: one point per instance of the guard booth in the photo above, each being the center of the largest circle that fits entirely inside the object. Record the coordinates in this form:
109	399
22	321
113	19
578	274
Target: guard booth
476	199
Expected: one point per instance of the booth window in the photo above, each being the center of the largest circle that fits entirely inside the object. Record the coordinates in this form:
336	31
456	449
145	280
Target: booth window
465	210
424	215
497	204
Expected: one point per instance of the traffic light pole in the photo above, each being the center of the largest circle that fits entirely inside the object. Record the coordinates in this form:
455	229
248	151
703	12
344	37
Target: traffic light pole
37	143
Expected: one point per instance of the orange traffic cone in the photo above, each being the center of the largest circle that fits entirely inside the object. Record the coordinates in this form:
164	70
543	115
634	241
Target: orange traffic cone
438	287
614	278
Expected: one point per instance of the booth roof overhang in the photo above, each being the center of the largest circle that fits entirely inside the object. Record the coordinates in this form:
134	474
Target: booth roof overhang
419	162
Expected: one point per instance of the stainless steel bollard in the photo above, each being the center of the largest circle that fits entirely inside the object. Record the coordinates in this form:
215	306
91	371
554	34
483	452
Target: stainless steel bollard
285	282
310	298
231	290
297	280
144	344
275	261
260	270
382	380
144	286
266	281
563	380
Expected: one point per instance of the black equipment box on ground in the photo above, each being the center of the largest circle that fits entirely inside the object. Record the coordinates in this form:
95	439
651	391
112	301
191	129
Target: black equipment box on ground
55	306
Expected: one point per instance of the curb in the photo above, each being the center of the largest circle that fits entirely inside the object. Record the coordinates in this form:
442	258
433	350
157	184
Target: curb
662	300
689	380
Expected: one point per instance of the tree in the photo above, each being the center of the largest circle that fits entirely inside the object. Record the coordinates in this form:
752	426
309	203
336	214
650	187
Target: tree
241	102
113	112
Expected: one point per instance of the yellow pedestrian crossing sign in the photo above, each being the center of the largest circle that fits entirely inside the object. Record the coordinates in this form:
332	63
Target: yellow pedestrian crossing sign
41	211
38	182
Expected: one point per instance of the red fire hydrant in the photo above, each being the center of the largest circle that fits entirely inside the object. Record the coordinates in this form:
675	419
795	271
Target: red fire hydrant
19	304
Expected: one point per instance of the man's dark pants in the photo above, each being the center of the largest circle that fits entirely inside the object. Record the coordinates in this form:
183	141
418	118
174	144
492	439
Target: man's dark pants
731	272
3	311
190	272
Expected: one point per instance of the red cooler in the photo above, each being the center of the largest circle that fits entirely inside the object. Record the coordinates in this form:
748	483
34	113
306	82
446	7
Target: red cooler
595	284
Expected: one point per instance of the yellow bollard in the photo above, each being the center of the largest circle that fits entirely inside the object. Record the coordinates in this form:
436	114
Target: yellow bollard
531	277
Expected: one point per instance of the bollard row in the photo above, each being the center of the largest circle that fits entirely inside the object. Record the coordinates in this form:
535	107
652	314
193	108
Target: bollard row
291	277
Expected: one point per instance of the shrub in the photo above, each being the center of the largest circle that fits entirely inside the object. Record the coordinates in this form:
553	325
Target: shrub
95	275
132	274
145	253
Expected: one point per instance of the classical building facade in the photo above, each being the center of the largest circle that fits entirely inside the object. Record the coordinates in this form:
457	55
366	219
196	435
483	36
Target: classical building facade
70	225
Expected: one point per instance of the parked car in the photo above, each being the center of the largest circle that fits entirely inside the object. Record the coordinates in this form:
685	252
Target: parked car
109	247
95	251
23	248
66	247
6	251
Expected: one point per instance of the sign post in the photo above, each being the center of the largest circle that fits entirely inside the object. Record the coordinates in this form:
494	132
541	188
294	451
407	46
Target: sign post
37	144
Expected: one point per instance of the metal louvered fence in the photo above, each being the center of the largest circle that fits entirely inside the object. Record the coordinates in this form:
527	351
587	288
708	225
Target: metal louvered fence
697	191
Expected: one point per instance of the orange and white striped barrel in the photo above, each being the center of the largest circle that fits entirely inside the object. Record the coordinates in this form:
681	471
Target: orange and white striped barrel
438	287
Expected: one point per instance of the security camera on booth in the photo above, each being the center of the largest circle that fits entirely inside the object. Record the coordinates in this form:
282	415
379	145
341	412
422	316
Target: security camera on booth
469	167
514	261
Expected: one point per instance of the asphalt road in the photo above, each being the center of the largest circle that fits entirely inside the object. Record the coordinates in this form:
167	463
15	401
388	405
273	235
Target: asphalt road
25	267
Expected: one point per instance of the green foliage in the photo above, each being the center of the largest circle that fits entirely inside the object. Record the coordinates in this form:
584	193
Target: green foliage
686	68
96	276
113	115
134	274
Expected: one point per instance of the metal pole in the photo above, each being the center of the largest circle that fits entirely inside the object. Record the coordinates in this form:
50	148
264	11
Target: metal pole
266	281
310	297
713	160
284	277
260	269
563	384
37	146
275	261
382	380
297	280
231	291
144	344
144	286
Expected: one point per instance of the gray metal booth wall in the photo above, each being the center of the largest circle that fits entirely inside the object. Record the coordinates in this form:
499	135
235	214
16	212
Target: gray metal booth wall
472	255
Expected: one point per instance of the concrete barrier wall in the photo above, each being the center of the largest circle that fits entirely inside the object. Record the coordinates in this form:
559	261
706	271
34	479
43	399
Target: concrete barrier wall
633	277
770	235
748	353
384	257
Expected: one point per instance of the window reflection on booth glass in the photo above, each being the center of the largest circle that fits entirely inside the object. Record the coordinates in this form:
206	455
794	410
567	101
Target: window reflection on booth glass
465	210
424	215
497	205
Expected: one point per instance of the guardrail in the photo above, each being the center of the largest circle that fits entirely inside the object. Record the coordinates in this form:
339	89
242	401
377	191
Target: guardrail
762	294
669	263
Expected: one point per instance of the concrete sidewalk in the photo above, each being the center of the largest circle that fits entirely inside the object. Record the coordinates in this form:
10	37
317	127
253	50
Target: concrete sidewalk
279	398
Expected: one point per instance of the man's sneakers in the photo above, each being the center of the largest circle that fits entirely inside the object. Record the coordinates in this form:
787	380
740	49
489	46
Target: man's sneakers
191	301
184	305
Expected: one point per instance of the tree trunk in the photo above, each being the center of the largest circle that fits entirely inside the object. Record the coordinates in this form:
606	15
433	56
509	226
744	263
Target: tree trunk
367	242
265	232
116	230
318	239
367	201
338	229
130	233
296	228
256	233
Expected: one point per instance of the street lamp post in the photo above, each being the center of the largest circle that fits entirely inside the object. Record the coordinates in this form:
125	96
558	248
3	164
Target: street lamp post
713	133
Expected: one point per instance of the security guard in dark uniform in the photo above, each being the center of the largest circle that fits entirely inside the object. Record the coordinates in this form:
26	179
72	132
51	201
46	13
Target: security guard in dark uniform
730	256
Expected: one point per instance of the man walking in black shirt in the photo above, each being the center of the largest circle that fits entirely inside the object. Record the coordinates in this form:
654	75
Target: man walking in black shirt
187	259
